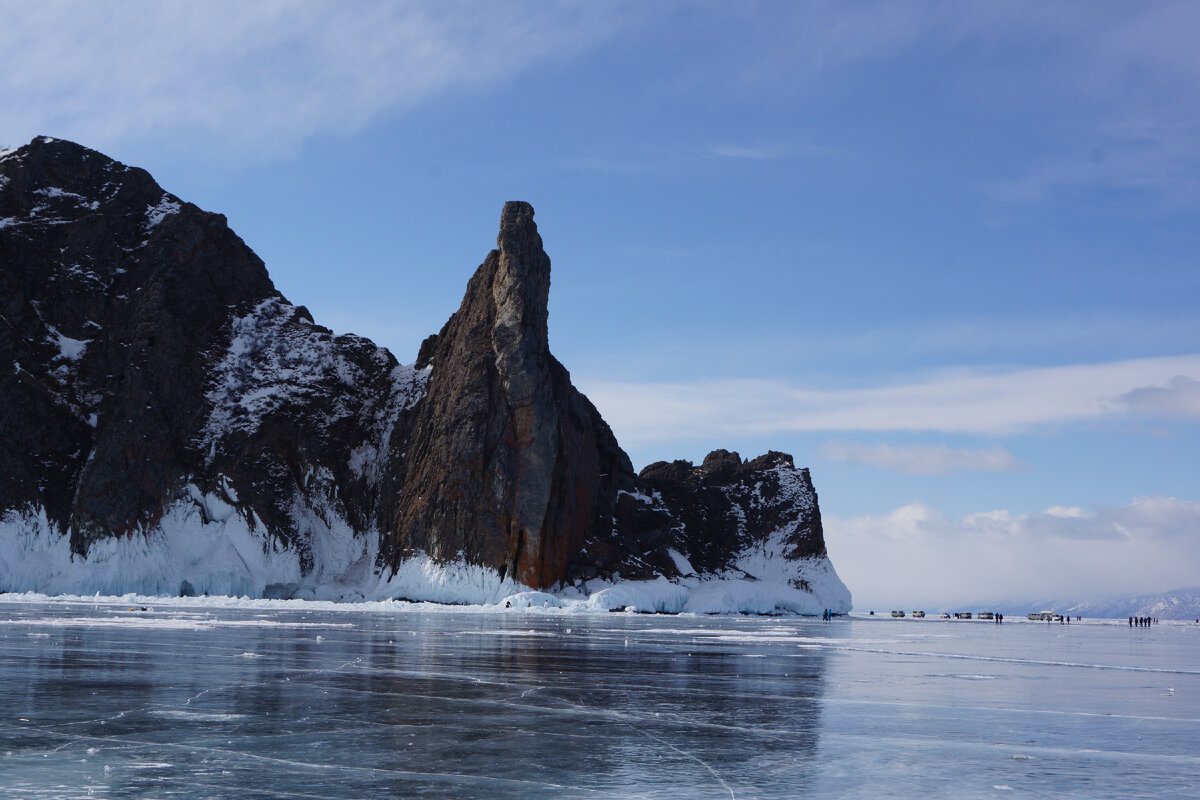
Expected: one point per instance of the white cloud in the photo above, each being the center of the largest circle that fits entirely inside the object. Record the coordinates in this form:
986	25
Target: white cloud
967	402
916	555
792	148
748	152
1178	399
921	459
1095	48
265	76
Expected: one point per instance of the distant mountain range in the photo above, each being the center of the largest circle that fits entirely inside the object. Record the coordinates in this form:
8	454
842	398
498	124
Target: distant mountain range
1173	604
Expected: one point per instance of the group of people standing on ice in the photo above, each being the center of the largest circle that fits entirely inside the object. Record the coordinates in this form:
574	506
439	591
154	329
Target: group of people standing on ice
1142	622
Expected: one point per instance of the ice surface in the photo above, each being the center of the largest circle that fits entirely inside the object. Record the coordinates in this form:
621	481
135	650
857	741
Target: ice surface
207	698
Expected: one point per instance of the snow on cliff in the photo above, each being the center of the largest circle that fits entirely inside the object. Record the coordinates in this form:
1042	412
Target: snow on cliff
205	547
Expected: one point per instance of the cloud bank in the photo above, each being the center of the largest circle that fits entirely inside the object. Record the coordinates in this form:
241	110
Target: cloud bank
915	556
265	76
967	402
921	459
1178	399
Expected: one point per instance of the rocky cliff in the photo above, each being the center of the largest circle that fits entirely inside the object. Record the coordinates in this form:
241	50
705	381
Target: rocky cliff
169	422
507	461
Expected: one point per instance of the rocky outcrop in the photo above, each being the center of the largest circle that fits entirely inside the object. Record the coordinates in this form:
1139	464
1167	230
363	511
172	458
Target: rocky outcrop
507	461
726	509
149	359
112	292
162	394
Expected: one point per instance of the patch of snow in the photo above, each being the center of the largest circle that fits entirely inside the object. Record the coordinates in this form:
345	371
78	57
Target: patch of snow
657	596
770	561
755	597
8	222
268	363
343	561
530	600
222	556
641	498
68	348
362	456
166	207
681	563
420	578
83	274
408	386
276	358
55	192
710	595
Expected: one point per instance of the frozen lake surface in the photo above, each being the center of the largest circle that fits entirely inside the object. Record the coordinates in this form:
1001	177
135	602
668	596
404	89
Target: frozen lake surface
198	699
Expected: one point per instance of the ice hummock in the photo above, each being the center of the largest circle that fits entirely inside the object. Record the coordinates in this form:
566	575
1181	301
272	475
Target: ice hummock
204	546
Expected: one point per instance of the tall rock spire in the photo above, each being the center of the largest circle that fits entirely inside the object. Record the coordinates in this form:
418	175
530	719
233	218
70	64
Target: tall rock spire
508	463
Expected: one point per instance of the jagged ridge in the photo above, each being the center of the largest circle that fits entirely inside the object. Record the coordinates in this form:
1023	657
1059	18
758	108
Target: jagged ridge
160	384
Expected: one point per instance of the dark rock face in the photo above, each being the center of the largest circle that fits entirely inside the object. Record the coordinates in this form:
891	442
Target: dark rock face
507	461
149	368
107	315
146	349
725	507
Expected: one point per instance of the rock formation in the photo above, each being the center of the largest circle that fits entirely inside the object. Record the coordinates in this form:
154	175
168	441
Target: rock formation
507	461
152	360
164	410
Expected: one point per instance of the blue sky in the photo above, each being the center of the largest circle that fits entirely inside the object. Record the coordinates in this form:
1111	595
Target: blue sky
943	253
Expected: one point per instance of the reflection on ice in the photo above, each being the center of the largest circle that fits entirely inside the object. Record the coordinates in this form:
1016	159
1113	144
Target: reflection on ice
201	700
351	704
